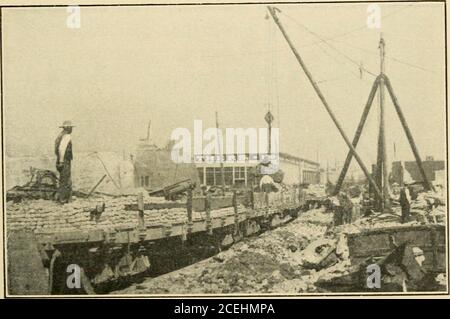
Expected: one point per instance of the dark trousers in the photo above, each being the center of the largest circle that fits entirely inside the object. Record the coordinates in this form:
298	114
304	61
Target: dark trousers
65	182
268	188
338	216
405	213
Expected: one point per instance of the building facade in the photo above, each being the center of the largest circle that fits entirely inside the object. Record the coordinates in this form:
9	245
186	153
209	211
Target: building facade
154	168
239	173
433	171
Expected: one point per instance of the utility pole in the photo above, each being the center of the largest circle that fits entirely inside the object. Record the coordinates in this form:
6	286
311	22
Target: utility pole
382	165
395	151
220	154
148	130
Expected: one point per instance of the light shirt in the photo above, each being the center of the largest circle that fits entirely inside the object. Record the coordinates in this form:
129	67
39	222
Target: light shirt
65	140
266	179
408	195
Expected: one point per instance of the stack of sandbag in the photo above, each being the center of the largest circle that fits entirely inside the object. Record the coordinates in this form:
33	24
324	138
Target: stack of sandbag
43	216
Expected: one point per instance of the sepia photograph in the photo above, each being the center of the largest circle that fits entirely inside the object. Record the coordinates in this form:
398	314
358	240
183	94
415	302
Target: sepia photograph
224	149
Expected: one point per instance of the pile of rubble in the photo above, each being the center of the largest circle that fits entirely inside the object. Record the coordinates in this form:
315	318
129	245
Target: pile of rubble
296	258
317	217
430	206
316	191
288	260
44	216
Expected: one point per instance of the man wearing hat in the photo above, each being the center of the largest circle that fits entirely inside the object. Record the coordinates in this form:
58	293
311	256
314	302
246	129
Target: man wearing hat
63	152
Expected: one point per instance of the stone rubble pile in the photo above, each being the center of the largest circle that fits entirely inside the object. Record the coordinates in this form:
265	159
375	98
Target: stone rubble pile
316	190
430	206
288	260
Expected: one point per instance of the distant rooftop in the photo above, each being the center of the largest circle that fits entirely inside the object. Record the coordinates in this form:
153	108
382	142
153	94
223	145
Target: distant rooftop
257	157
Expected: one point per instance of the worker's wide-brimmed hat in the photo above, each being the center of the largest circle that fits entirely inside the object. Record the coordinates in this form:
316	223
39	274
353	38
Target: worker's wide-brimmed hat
67	124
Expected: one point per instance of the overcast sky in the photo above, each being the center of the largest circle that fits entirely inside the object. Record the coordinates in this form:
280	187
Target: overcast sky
126	65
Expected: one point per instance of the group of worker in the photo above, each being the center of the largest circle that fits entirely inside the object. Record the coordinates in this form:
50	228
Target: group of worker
347	207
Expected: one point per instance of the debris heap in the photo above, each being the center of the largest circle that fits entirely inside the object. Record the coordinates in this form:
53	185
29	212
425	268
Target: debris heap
273	262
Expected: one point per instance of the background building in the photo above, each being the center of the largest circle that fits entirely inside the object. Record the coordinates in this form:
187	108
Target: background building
408	171
296	171
154	168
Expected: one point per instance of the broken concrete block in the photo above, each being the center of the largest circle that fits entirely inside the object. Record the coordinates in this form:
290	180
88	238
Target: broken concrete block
320	254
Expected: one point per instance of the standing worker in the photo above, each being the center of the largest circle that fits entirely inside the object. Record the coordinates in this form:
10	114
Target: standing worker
337	210
405	199
63	152
347	206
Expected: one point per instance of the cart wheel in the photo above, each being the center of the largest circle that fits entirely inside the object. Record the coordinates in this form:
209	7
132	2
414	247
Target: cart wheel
58	278
227	241
86	283
275	221
252	228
